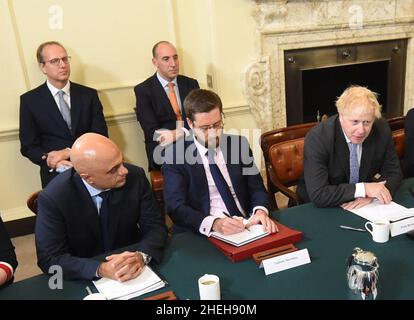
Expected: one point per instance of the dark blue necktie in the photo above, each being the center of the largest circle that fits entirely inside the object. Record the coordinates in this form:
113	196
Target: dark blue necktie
353	163
222	185
103	217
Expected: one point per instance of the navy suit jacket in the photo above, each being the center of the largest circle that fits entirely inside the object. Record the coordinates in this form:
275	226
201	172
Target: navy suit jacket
326	163
154	110
7	253
42	128
68	226
186	192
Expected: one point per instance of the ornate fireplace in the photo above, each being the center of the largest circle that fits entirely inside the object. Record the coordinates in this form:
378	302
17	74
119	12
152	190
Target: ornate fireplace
350	39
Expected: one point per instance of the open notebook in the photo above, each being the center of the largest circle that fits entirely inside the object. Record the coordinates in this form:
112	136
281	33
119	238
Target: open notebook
146	282
238	239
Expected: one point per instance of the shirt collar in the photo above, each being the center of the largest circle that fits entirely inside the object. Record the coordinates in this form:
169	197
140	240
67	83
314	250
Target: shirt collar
54	90
164	82
92	190
202	149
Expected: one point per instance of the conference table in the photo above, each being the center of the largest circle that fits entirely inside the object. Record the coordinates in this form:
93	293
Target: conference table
189	256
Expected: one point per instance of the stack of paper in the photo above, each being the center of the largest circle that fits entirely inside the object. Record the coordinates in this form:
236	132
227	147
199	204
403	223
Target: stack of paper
376	210
238	239
146	282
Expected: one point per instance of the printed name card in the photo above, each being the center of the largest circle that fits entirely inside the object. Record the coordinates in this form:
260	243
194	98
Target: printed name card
402	226
286	261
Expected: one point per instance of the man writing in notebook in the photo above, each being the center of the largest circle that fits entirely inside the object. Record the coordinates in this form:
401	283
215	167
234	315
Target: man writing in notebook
101	205
211	182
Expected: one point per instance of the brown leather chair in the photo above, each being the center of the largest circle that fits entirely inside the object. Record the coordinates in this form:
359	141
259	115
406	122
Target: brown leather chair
157	183
32	201
398	137
286	167
396	123
273	137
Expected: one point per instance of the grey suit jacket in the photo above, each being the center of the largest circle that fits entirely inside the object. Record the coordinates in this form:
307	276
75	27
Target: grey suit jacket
326	163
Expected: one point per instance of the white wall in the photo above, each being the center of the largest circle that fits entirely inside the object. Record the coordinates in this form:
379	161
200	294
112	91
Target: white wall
110	43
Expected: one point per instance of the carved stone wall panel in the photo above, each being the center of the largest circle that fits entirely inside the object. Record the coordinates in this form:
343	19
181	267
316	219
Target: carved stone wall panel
295	24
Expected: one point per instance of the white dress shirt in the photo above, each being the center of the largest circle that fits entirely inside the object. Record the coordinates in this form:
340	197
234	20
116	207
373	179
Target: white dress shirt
217	205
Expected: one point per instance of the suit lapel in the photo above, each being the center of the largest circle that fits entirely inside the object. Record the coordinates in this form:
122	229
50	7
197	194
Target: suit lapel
75	106
368	151
341	149
197	170
162	96
116	206
51	108
233	163
88	207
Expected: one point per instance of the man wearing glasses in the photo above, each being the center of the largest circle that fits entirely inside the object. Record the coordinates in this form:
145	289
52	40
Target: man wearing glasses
55	114
211	182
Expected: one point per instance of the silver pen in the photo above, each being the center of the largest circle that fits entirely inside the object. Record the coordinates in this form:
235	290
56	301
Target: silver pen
351	228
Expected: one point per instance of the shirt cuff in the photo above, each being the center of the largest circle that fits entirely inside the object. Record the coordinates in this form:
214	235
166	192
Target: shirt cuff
260	208
360	190
207	225
8	269
186	132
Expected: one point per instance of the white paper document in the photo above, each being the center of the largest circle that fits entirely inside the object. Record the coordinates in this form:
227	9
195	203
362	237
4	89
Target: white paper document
376	210
146	282
238	239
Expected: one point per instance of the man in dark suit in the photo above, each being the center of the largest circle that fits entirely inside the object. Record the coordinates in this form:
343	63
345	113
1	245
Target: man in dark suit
100	205
8	262
160	101
55	114
350	158
210	180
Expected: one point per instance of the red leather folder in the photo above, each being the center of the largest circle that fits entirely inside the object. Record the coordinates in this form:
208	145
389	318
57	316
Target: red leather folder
284	236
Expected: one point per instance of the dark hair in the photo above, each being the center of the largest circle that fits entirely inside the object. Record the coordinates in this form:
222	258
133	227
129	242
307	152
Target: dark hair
154	48
200	101
40	49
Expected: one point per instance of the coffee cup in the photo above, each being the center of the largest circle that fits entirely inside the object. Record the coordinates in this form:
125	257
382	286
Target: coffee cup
209	287
380	230
95	296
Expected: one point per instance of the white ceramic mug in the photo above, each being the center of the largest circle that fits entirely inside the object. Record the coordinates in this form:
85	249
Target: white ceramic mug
209	287
380	230
95	296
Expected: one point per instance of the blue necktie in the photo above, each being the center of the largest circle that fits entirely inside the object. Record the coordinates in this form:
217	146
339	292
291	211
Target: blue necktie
222	186
353	163
64	109
103	217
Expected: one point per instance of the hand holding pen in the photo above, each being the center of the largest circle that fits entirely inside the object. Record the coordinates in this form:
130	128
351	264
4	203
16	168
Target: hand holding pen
228	225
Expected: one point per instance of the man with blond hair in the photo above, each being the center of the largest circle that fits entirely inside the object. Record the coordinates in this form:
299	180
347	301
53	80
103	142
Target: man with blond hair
350	159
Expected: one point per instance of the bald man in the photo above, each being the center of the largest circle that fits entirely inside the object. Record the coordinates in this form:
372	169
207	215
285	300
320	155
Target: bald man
154	98
100	205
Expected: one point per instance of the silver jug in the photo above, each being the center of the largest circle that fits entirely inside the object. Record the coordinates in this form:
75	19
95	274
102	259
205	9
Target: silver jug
362	273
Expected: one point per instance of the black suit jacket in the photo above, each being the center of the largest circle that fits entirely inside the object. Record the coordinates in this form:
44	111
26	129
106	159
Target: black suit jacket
186	192
326	163
68	226
154	110
42	128
408	161
7	253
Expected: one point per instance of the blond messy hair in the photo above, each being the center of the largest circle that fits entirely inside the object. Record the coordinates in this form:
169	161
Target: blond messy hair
358	96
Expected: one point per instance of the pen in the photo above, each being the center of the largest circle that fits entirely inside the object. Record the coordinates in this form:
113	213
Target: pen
228	215
351	228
